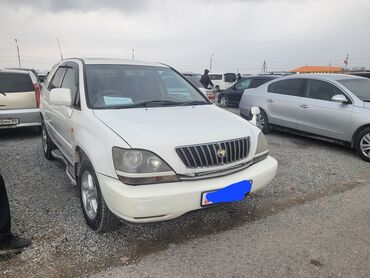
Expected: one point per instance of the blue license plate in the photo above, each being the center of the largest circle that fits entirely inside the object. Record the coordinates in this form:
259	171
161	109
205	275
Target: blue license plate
232	193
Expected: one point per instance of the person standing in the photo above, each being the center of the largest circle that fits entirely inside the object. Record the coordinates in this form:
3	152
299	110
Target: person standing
9	244
238	77
205	79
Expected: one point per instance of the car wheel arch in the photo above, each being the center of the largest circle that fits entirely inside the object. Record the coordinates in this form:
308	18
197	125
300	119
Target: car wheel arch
357	132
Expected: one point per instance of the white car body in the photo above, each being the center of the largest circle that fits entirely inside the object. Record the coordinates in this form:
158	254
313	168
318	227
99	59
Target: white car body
160	130
222	81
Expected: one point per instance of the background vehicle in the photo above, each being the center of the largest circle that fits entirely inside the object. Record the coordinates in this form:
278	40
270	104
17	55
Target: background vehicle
222	81
27	69
19	99
195	79
133	138
232	95
331	107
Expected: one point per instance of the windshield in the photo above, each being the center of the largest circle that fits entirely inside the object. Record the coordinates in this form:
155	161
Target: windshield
359	87
125	86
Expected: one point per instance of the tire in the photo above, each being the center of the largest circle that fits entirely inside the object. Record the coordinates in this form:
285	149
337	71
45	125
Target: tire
362	144
96	212
224	102
47	144
263	122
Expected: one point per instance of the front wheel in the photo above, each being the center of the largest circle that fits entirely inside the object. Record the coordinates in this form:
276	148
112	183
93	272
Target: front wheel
224	102
47	144
362	144
95	210
263	122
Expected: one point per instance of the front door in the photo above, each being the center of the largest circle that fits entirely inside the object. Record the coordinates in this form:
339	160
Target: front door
319	115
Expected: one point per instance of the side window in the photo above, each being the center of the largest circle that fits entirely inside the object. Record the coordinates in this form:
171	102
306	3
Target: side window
290	87
322	90
243	84
57	79
69	81
258	82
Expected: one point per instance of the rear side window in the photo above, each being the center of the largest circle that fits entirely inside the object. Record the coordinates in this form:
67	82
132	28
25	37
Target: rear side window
321	90
258	82
290	87
230	77
15	82
215	76
57	79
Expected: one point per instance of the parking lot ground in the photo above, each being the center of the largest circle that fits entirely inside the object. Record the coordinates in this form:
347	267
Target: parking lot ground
328	237
45	208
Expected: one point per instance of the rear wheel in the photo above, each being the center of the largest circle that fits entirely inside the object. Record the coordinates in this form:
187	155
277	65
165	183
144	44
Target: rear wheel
362	144
263	122
224	102
95	210
47	144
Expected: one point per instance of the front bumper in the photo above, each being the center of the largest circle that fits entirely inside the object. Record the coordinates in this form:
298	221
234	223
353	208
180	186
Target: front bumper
158	202
26	117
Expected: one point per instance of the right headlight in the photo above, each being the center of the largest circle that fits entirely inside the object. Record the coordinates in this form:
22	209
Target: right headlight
138	167
262	150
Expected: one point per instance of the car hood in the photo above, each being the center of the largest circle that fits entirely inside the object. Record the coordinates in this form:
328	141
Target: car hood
162	129
367	105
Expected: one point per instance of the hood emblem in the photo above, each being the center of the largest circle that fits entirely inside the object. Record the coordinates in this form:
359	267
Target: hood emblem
221	153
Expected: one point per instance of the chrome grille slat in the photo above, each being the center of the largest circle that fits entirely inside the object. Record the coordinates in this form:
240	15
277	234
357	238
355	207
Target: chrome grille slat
206	155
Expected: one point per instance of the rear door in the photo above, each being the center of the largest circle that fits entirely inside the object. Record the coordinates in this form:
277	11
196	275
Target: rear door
319	115
282	101
16	91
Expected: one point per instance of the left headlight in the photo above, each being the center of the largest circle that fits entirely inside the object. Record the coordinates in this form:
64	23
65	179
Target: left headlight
137	167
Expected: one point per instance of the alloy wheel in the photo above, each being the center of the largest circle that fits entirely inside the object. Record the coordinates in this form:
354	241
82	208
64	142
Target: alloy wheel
260	121
89	195
223	101
365	145
44	139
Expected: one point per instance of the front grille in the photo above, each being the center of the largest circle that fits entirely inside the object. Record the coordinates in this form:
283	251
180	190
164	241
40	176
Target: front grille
208	155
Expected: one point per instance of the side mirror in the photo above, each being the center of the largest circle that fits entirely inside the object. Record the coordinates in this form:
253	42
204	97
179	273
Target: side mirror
255	111
61	96
339	99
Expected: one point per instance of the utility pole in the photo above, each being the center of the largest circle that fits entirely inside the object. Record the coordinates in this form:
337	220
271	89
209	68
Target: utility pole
346	63
133	54
264	67
19	56
60	50
211	62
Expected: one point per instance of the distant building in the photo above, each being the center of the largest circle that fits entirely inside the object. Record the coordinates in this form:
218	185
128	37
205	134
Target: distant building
318	69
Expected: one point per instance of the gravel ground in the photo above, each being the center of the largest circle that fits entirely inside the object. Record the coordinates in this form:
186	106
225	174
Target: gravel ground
328	237
45	206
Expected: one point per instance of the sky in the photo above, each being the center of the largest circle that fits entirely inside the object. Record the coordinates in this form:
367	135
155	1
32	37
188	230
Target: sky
238	34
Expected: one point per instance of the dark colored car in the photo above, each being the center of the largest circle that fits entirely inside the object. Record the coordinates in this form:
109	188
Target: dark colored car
233	95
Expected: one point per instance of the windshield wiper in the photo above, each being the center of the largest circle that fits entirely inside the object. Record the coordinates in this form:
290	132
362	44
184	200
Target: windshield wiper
146	104
192	102
3	93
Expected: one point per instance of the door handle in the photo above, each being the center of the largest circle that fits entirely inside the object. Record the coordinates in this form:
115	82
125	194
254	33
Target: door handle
270	100
303	106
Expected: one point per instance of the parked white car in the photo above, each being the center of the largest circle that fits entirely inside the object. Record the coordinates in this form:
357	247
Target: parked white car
19	99
135	141
222	81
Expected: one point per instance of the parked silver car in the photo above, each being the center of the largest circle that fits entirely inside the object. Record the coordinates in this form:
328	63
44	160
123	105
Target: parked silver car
19	99
334	107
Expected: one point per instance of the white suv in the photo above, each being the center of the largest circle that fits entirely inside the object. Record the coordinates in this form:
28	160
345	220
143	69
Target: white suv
135	141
